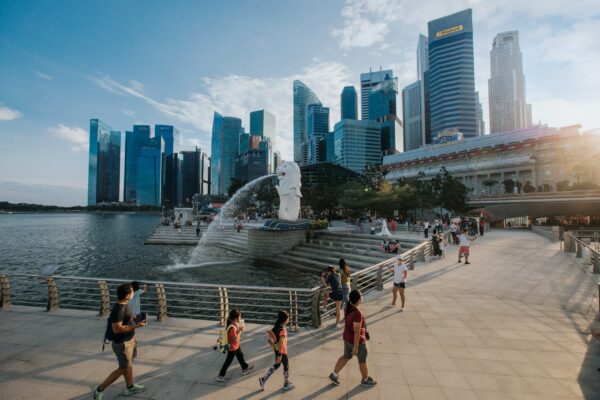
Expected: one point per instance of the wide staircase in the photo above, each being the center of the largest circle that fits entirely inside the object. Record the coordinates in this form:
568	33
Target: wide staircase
168	234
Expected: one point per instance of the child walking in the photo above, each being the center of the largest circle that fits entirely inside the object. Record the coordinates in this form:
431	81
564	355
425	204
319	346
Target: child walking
278	340
235	327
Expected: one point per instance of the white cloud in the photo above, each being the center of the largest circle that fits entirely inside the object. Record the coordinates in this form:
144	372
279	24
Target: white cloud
129	113
78	137
237	95
8	114
42	75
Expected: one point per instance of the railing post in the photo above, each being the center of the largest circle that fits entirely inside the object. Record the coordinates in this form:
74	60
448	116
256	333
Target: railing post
578	250
293	311
52	294
5	288
380	278
411	261
595	262
161	302
104	299
223	306
568	242
316	308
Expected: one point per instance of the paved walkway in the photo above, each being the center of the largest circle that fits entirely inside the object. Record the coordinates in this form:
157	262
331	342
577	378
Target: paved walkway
512	325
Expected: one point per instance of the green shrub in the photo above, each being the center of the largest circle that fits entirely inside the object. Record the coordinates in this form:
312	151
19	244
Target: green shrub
319	224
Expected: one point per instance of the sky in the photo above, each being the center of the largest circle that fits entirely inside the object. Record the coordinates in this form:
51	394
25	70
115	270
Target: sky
152	62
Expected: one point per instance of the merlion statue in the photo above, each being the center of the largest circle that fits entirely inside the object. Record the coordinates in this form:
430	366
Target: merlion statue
288	174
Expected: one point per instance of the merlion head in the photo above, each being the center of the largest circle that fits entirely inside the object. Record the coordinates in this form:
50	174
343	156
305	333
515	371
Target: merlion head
288	174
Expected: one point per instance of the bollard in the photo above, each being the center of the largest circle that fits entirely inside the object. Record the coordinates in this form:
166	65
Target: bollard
555	233
161	302
380	278
316	309
104	299
223	306
5	289
568	242
411	261
578	249
52	294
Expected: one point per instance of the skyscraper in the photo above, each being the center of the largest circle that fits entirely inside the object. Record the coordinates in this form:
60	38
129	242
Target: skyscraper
508	108
276	160
317	128
262	123
479	116
149	172
368	81
225	147
451	78
171	189
104	163
303	97
356	144
412	115
349	103
423	77
382	109
134	142
191	169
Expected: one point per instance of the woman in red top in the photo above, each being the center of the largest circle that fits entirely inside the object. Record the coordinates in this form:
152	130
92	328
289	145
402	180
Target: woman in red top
355	341
234	328
278	340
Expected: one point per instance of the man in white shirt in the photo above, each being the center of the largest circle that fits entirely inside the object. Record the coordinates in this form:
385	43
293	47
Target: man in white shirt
400	275
464	241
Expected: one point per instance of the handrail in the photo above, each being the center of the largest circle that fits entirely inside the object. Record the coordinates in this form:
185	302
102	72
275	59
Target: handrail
573	244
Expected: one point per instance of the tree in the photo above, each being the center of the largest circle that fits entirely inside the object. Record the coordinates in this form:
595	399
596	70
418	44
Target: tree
528	187
372	177
452	194
267	194
509	186
235	185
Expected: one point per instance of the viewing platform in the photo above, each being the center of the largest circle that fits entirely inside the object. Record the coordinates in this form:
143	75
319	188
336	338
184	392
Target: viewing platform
514	324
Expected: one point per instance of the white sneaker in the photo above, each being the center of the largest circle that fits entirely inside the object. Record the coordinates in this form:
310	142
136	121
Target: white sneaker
401	309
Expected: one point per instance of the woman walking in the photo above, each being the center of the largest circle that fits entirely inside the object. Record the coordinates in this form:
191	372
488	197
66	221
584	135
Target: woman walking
355	341
278	340
333	279
345	275
234	329
400	275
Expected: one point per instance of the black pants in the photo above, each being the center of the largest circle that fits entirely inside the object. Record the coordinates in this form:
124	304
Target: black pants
426	231
230	354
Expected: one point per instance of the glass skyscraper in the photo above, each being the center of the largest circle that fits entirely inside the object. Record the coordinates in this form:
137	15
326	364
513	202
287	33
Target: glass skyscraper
262	123
412	115
303	97
104	167
451	78
225	147
349	103
318	127
382	109
368	81
171	189
191	170
356	144
149	172
134	141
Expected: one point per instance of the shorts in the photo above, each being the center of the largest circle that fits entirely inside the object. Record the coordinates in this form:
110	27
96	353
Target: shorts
336	296
125	352
362	352
463	250
401	285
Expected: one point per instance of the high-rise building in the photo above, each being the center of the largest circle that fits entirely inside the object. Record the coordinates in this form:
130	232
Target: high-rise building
251	165
262	123
422	56
133	146
368	81
104	167
423	77
451	79
171	189
276	160
412	115
508	108
149	172
349	103
479	116
225	147
356	144
191	170
303	97
317	127
382	109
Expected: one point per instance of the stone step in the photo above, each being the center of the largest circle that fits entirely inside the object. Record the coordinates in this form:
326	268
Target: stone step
361	249
334	258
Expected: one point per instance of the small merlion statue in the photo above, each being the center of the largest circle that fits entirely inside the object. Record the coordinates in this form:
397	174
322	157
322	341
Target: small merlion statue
288	174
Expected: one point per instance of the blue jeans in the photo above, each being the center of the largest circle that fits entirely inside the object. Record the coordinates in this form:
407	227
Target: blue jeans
345	293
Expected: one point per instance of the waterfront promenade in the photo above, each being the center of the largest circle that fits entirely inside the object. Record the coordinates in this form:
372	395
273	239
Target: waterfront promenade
515	324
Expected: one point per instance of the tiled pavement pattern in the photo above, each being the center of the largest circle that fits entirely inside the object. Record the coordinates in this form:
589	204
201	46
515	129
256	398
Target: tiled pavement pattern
512	325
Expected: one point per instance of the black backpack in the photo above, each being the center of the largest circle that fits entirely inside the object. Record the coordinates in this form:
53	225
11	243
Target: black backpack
108	334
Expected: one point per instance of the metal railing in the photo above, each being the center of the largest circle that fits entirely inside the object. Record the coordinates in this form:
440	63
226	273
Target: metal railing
258	304
582	247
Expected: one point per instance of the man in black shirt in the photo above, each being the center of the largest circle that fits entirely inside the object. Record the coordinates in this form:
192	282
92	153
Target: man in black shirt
124	343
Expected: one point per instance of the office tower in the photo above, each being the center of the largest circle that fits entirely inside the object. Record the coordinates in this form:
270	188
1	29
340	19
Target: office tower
104	167
171	189
317	127
303	97
368	81
244	140
276	160
422	56
382	109
134	142
423	78
225	147
149	172
508	108
451	78
412	115
262	123
251	165
349	103
479	116
191	174
330	147
356	144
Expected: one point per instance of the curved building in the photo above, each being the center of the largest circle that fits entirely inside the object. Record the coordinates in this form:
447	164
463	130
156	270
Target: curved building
303	97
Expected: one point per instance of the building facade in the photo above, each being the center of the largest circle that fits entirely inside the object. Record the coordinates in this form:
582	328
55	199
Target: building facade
509	110
303	97
368	81
149	172
104	168
251	165
317	127
134	141
262	123
349	103
356	144
191	175
451	74
225	147
412	115
171	192
382	109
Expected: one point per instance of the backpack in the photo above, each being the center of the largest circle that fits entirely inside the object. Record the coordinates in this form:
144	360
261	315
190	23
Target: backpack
108	333
223	340
273	339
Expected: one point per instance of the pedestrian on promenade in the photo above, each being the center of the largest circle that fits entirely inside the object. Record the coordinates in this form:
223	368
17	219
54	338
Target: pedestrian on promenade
135	302
124	343
278	341
345	275
234	328
426	228
443	244
198	229
355	341
334	281
464	242
400	275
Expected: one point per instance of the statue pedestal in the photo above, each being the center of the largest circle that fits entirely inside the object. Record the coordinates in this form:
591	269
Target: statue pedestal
276	237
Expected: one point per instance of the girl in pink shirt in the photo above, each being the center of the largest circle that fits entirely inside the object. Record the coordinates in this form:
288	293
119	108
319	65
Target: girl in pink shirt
278	340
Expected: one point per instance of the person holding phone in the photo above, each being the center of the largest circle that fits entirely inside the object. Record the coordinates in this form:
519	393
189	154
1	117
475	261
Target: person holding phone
235	327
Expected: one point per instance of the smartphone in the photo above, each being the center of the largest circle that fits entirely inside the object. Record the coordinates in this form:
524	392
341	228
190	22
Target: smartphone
143	316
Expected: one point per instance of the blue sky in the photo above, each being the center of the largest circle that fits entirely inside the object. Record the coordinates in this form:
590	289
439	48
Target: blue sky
127	62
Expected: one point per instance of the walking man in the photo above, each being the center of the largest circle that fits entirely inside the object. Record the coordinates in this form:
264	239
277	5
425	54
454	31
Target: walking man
400	275
464	242
124	343
426	228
